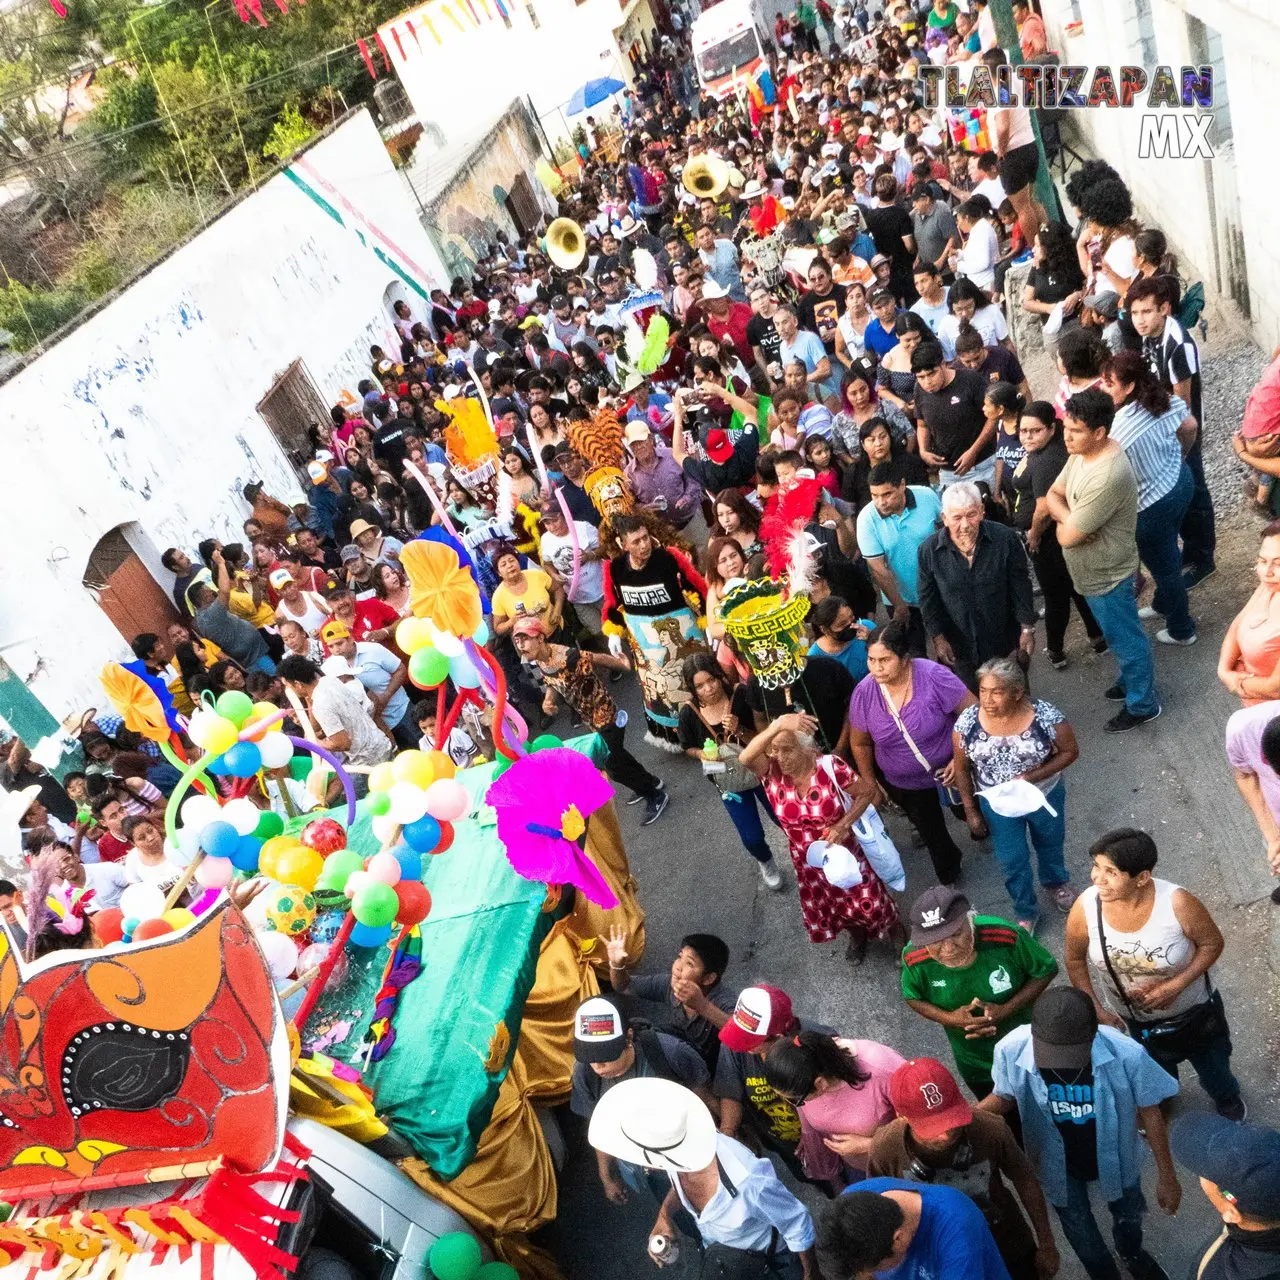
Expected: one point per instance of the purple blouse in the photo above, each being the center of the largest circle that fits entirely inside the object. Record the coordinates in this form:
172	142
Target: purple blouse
936	692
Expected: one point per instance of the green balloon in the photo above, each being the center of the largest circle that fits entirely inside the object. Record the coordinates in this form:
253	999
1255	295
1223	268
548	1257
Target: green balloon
378	803
375	905
455	1255
497	1271
428	667
543	741
269	826
235	706
337	867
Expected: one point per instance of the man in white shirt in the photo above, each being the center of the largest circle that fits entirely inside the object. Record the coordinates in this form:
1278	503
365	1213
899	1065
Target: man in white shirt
989	184
556	546
977	260
735	1198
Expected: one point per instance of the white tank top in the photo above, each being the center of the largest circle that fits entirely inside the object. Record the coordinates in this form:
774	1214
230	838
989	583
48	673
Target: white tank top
1157	951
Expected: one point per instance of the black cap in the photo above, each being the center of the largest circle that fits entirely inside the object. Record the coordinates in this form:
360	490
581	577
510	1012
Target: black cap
1241	1160
938	913
1063	1025
560	300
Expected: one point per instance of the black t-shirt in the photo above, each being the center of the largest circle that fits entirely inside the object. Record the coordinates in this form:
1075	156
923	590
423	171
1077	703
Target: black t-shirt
692	732
736	473
1071	1109
855	487
580	506
888	224
954	415
762	333
823	690
1243	1255
822	314
1033	477
1053	286
389	445
849	579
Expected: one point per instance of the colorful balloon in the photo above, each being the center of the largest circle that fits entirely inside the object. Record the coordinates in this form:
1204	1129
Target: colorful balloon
446	838
463	673
441	766
381	776
447	800
179	917
384	868
199	811
108	925
145	901
270	825
235	706
455	1256
276	751
363	935
410	862
215	873
244	857
290	910
414	900
243	760
422	836
414	767
220	735
153	928
378	803
252	728
279	952
298	866
384	828
408	802
375	904
428	667
219	839
497	1271
324	835
243	814
413	634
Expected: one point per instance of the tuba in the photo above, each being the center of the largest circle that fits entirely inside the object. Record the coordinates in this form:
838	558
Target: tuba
566	245
705	177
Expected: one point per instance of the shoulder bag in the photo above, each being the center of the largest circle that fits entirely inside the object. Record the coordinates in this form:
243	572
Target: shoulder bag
1170	1040
949	796
730	777
876	843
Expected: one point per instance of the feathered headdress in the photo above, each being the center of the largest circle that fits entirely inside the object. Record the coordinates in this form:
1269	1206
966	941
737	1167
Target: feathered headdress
598	440
788	548
53	902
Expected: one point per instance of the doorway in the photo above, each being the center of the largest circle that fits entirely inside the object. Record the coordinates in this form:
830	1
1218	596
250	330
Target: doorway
290	409
124	588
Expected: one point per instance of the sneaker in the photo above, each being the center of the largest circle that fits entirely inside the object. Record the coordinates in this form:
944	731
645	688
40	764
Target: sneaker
1115	693
1194	575
1056	660
635	799
655	806
1063	896
1099	645
770	874
1235	1110
1165	638
616	676
1029	923
1126	720
1147	612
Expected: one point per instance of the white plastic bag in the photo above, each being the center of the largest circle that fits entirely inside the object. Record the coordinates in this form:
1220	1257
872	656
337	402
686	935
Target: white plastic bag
880	850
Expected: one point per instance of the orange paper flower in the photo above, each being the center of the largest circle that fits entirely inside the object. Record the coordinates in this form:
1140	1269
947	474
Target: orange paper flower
136	701
440	588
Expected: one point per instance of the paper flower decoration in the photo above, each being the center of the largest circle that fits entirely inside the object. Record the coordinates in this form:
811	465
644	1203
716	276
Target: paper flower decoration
141	699
469	437
440	588
540	826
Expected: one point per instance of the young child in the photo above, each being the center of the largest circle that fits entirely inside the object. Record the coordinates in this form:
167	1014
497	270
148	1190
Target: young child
817	452
461	746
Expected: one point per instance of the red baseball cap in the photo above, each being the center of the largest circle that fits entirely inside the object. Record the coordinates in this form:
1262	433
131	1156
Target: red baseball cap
924	1093
761	1014
719	446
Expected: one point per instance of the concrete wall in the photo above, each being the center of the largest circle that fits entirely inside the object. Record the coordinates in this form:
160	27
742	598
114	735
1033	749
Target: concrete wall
144	416
455	82
1217	214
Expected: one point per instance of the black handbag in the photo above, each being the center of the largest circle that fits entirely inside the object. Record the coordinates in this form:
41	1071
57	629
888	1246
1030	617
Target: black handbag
1171	1040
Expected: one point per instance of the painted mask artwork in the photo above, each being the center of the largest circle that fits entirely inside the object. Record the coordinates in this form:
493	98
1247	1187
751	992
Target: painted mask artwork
767	626
121	1063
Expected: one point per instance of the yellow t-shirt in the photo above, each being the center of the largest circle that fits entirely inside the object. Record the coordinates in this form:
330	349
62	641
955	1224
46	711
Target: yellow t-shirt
177	686
535	601
241	604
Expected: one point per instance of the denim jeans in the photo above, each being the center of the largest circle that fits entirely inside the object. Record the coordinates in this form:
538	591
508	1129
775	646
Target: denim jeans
1158	546
743	808
1199	539
1117	615
1081	1229
1009	844
1212	1065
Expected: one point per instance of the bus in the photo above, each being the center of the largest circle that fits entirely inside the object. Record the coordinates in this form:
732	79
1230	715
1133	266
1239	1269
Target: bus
727	49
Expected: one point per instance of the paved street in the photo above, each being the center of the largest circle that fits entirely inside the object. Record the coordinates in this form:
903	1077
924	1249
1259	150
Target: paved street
1169	777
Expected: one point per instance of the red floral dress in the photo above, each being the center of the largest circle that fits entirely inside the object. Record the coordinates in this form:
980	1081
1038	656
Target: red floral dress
807	814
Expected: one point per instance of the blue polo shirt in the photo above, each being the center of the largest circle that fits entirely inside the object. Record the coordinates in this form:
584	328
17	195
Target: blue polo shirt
898	538
879	339
952	1239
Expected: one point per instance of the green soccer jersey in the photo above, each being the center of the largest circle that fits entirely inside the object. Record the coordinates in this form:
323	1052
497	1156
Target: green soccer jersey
1006	958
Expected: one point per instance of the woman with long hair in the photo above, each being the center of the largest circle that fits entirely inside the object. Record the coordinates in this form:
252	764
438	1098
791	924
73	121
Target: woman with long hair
713	728
463	507
862	401
1151	426
1249	661
589	366
726	562
545	431
524	486
1055	278
391	583
894	380
736	518
877	443
840	1088
853	324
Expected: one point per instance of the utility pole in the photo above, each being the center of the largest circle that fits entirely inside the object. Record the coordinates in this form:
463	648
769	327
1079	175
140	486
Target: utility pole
1007	35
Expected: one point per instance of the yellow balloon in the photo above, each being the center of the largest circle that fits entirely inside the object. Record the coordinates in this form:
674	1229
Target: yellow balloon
415	767
271	850
413	634
178	917
441	765
220	735
261	711
300	866
380	777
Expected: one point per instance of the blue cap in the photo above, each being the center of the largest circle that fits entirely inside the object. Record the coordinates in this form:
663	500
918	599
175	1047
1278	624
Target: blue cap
1242	1160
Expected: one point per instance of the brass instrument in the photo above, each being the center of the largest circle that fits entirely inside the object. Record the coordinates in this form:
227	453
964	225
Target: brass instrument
566	243
706	177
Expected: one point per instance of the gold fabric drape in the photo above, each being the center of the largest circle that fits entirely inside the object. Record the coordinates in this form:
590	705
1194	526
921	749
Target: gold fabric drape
588	922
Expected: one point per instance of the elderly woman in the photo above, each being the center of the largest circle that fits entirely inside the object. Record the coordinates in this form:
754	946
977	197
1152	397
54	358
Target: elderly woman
1009	737
373	543
1249	661
901	718
820	798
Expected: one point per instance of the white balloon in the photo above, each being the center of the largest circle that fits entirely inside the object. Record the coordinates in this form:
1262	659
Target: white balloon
408	802
188	843
276	750
279	952
243	814
141	902
176	854
448	644
199	811
384	827
354	881
256	912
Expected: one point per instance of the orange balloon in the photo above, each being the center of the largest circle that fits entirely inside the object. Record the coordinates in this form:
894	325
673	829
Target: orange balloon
152	929
442	766
271	850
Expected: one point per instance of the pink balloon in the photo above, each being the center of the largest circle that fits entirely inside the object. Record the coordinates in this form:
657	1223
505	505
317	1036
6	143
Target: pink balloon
447	800
215	873
384	868
354	881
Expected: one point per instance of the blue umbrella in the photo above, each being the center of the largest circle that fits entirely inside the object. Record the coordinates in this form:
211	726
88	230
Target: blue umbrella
592	94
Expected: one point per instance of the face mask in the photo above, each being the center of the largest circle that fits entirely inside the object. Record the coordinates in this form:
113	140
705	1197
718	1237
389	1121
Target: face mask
849	633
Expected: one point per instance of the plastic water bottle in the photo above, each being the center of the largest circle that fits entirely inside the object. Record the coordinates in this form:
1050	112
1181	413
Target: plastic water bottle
664	1250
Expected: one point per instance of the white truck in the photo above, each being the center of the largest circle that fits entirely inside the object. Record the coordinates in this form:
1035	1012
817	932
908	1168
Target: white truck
728	46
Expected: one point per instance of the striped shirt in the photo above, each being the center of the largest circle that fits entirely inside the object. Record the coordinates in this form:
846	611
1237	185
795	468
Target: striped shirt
1174	358
1152	447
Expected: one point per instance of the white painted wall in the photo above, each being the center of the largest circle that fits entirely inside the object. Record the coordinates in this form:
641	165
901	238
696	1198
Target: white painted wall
457	83
145	416
1174	194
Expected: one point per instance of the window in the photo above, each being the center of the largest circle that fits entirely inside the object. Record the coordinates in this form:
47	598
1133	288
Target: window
291	406
726	57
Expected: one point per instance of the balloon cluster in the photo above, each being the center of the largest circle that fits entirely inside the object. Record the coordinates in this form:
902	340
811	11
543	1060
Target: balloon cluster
435	654
456	1256
417	793
218	731
140	915
232	835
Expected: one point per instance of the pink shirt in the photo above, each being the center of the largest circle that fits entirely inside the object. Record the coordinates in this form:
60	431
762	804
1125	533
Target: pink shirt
848	1110
1244	749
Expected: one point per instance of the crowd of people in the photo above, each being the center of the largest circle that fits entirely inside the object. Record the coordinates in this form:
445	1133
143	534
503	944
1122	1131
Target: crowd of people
781	338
